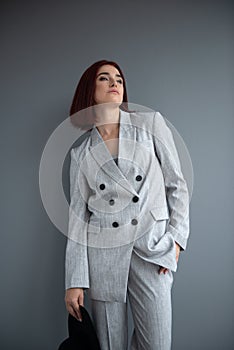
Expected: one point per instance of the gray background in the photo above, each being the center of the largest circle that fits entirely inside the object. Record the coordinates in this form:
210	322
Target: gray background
178	58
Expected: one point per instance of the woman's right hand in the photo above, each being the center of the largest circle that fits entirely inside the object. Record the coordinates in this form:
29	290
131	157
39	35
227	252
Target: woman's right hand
73	298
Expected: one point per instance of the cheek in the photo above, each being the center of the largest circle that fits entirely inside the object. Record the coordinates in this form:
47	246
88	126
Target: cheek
122	92
98	92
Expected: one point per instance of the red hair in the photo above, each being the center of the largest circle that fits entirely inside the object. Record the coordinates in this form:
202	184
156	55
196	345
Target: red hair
85	90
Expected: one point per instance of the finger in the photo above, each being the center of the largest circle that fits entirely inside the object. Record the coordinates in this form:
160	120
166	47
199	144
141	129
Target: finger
76	312
72	312
80	302
177	252
177	256
73	309
81	299
79	316
75	306
162	270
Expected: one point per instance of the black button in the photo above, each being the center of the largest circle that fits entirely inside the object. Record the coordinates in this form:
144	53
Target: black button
134	222
111	201
115	224
102	186
138	177
135	199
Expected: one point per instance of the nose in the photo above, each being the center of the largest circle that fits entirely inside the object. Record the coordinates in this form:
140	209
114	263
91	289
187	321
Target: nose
113	82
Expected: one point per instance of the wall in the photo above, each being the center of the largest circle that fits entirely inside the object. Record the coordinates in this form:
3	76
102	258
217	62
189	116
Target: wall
178	59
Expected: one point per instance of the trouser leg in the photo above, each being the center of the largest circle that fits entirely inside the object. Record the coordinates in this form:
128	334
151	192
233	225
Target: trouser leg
110	320
150	300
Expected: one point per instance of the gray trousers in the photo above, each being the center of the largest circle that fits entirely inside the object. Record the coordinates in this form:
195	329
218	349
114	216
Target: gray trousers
149	295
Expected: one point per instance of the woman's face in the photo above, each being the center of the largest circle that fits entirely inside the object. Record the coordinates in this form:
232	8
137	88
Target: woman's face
109	85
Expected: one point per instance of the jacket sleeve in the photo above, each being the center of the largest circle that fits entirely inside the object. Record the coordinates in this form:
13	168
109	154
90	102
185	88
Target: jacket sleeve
176	188
76	257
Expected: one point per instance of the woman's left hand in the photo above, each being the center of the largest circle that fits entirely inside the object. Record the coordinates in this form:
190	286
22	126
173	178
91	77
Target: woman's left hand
164	269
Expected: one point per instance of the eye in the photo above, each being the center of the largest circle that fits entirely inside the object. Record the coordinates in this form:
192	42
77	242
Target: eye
103	78
120	81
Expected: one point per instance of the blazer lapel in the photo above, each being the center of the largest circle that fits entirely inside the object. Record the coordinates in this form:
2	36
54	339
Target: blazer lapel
101	154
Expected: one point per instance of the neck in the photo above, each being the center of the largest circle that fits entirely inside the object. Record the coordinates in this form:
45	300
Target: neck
107	119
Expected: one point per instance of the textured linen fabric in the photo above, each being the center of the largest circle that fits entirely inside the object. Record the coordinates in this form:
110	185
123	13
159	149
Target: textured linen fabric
151	308
150	211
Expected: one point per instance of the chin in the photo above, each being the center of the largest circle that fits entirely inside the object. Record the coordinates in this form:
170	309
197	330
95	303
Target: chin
115	103
114	100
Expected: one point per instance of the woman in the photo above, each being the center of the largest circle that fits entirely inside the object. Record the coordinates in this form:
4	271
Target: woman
128	218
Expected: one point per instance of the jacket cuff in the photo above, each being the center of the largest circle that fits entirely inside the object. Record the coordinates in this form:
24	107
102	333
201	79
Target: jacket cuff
181	240
75	284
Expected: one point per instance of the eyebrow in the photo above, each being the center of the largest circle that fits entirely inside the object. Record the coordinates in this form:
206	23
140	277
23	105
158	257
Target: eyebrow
106	73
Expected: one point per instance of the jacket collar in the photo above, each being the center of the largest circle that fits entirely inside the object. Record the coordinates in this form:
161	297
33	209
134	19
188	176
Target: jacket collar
102	155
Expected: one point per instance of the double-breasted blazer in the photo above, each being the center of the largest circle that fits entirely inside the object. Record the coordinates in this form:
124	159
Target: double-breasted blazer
140	204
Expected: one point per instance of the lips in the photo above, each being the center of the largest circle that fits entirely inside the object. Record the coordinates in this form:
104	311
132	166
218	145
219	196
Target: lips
115	91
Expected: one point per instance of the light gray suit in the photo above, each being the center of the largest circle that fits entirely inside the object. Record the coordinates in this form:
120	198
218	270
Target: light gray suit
124	221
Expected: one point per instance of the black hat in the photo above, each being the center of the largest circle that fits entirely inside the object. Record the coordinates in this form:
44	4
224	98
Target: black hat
82	335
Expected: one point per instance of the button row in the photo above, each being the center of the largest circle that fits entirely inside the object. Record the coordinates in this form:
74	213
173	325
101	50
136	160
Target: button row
135	199
138	178
133	222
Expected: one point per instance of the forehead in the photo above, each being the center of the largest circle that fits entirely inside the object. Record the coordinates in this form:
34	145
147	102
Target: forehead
108	69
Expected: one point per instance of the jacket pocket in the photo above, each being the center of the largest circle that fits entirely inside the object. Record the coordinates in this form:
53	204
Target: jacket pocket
160	213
